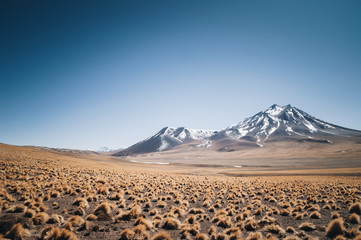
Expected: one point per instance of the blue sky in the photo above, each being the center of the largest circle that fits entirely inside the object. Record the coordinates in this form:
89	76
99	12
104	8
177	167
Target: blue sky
86	74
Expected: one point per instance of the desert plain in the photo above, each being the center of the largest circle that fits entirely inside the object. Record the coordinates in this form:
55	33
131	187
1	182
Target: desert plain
63	194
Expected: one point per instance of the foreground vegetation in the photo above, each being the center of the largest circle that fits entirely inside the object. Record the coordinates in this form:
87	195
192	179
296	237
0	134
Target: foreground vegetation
42	199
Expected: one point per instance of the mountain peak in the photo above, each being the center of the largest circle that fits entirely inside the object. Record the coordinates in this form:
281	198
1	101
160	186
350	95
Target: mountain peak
277	123
276	109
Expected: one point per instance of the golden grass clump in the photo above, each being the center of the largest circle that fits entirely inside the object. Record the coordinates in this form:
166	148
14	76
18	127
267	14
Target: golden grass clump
315	215
133	213
274	228
81	202
143	221
102	208
76	221
54	233
224	222
30	213
251	224
255	236
163	235
91	217
17	232
354	218
55	218
335	228
127	234
171	223
335	215
355	208
18	208
40	218
201	236
307	226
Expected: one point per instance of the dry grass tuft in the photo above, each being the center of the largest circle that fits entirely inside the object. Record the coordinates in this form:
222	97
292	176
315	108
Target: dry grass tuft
40	218
307	226
273	228
76	221
251	225
201	236
146	222
54	233
17	232
335	215
255	236
354	218
102	208
55	218
91	217
127	234
162	236
355	208
171	223
335	228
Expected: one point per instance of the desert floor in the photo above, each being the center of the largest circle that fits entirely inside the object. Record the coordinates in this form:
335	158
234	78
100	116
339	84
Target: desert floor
47	194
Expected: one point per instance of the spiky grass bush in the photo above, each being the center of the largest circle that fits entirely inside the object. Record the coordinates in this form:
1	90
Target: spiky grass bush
315	215
355	208
162	236
307	226
335	228
171	223
17	232
40	218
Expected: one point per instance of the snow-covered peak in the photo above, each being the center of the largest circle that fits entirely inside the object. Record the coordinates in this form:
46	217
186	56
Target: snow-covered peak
183	133
275	109
106	149
281	119
169	137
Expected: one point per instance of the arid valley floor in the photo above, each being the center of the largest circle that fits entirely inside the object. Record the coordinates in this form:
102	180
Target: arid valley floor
46	194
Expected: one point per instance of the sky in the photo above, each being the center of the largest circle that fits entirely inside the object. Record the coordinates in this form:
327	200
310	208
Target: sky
87	74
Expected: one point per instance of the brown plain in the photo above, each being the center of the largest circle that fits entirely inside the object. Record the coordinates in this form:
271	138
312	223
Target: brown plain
49	194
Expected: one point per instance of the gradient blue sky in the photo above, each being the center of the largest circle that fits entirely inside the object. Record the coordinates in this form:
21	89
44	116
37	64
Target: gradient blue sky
86	74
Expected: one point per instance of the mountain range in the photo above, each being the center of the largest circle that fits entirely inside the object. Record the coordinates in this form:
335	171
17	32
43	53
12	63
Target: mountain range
275	124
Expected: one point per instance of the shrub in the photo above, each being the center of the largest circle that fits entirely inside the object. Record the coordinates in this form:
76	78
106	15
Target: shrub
335	215
354	218
171	223
250	224
40	218
91	217
315	215
17	232
335	228
76	221
255	236
273	228
307	226
162	236
102	208
355	208
55	218
127	234
201	236
142	221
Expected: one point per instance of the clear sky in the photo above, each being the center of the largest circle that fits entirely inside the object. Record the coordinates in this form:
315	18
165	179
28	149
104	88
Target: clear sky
87	74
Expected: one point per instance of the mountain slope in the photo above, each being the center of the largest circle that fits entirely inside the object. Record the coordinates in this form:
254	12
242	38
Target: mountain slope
165	139
282	121
277	123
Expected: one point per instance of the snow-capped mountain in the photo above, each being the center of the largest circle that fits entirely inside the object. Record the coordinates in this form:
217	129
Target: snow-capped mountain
167	138
281	120
277	123
106	149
